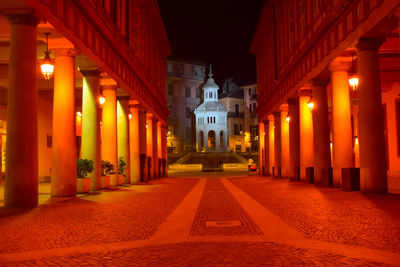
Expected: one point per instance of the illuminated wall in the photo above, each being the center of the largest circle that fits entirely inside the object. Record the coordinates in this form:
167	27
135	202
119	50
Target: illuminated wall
285	162
45	118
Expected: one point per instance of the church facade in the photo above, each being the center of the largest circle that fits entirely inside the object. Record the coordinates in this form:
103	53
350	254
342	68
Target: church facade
211	121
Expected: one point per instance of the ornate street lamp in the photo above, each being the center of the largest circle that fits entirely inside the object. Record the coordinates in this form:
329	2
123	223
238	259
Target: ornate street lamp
353	78
47	65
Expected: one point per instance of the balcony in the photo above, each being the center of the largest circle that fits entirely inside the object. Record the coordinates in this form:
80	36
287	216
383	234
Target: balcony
235	114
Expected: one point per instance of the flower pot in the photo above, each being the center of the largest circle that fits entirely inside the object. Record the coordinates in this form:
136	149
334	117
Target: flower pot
105	181
83	185
120	179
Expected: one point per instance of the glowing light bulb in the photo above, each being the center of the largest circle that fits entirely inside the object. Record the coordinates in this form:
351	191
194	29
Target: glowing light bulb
102	100
288	118
353	81
130	116
310	105
79	114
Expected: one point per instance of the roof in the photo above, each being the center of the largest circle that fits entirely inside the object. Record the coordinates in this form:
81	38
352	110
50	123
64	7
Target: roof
230	89
211	106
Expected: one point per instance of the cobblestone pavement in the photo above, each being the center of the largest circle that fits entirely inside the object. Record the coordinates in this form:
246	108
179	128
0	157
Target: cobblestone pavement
207	254
164	224
130	213
328	214
218	205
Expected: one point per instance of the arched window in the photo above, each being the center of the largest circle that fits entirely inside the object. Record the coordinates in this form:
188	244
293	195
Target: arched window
208	119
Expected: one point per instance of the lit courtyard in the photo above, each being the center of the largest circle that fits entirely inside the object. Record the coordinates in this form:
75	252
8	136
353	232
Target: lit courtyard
206	219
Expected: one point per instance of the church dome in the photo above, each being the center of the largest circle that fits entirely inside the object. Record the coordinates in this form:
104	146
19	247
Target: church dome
210	84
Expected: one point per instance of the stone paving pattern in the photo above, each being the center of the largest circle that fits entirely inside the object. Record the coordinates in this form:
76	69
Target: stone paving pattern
206	254
328	214
218	204
130	213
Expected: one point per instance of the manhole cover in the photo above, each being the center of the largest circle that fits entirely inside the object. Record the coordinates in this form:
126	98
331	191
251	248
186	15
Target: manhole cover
223	223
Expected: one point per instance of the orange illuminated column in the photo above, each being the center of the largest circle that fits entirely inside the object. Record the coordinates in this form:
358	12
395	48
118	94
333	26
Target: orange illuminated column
21	178
123	135
342	144
155	148
109	130
267	148
306	133
322	152
373	176
285	163
143	145
165	154
63	167
90	147
356	136
261	149
134	144
277	144
159	149
271	138
294	136
149	142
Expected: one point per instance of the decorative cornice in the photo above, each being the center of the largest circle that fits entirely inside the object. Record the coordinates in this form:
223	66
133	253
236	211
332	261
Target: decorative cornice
21	16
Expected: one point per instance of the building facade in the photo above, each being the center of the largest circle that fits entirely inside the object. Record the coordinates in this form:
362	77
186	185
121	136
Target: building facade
101	49
211	120
184	94
241	103
310	115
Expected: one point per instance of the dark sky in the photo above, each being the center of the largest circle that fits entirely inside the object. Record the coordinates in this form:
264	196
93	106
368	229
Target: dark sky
217	32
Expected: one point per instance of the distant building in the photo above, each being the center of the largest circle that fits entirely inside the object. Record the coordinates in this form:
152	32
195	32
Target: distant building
211	120
242	119
184	81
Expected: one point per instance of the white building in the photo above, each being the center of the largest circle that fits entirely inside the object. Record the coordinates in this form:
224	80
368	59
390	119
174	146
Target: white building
211	120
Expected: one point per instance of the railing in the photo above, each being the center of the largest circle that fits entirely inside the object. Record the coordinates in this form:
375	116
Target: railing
235	114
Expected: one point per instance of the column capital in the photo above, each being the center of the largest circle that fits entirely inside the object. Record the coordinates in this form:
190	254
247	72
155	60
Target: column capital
64	52
21	16
319	82
305	92
340	64
369	43
90	72
112	87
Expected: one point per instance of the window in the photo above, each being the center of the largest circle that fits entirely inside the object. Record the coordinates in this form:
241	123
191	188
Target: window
208	119
188	133
302	16
188	113
214	119
237	108
198	92
236	129
170	89
187	91
211	95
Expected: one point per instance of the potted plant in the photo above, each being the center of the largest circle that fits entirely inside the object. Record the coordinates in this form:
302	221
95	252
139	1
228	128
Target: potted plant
83	167
121	171
107	169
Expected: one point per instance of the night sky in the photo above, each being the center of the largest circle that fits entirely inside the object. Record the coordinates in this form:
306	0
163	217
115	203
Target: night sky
214	31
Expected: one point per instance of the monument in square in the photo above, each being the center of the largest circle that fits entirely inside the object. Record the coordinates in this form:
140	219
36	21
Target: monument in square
211	120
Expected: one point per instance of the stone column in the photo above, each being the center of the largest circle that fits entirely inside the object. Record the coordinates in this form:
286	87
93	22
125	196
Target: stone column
143	146
261	148
159	149
155	148
277	143
321	133
267	148
306	134
134	144
285	163
294	136
342	143
149	134
63	167
373	175
164	130
271	143
21	177
90	147
123	135
109	130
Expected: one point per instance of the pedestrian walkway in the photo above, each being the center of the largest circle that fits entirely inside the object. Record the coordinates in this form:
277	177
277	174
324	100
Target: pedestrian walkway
219	220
